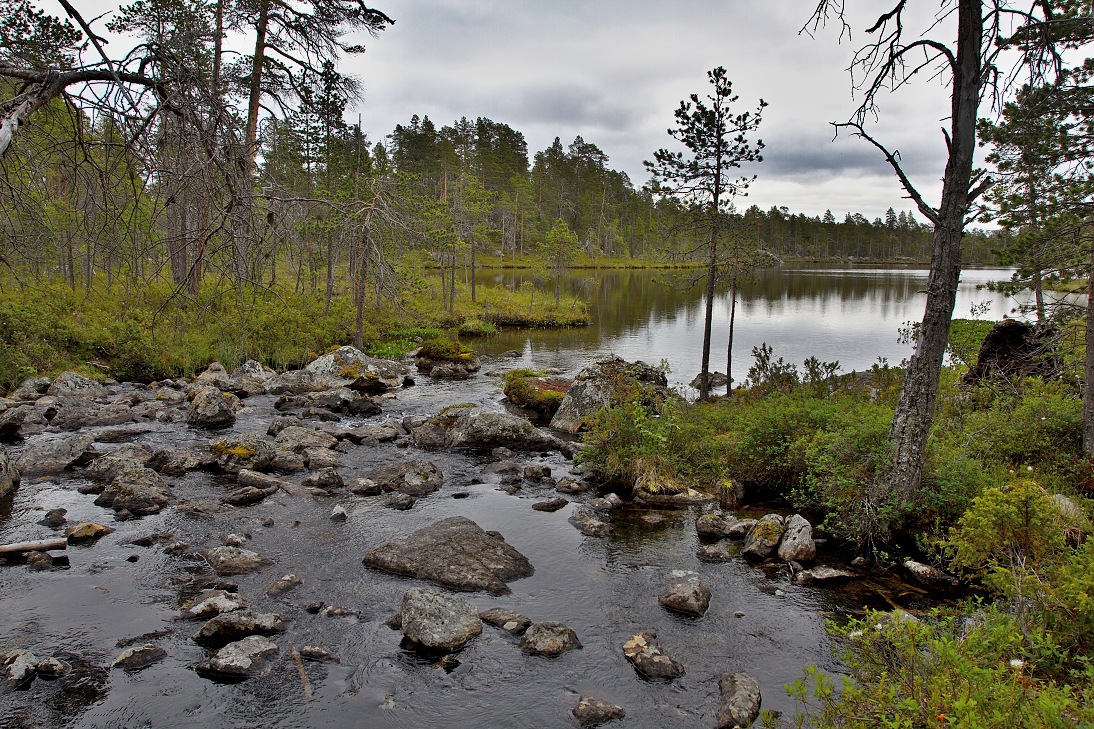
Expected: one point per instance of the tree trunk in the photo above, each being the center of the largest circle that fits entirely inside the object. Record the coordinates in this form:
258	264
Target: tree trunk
712	270
732	316
915	408
1088	380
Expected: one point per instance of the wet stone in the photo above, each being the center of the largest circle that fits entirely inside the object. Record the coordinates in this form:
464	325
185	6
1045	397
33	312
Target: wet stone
211	603
550	504
690	597
549	639
399	502
241	658
723	527
228	561
511	622
285	584
644	652
139	657
86	532
591	711
438	622
740	700
54	518
231	626
318	654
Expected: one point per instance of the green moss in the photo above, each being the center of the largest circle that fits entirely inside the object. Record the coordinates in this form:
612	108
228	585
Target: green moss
533	390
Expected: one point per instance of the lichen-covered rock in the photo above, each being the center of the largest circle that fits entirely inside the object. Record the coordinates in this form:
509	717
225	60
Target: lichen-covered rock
137	490
723	527
690	597
797	543
438	622
764	537
455	553
107	467
55	454
74	385
595	387
211	408
645	654
592	711
415	478
251	451
740	700
348	366
9	474
549	639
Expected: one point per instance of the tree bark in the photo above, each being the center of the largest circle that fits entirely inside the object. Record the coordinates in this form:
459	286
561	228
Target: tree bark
1088	379
919	391
732	316
712	269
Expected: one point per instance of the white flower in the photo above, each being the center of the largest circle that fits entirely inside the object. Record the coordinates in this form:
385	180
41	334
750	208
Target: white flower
878	626
854	634
1029	468
1016	663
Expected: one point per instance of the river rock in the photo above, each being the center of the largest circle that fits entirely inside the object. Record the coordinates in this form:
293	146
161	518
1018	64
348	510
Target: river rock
52	667
764	537
438	622
588	524
250	378
235	452
247	495
455	553
86	532
247	477
55	455
11	420
383	433
227	627
327	479
399	501
549	639
297	439
722	527
211	408
364	487
17	666
227	561
592	711
598	385
31	388
569	485
211	603
139	657
9	474
415	478
823	574
482	430
722	551
511	622
107	467
348	366
54	518
797	543
929	575
74	385
740	700
137	490
285	584
242	658
215	375
318	654
644	652
690	597
550	504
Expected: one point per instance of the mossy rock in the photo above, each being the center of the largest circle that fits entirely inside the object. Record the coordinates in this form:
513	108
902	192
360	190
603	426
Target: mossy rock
534	390
446	350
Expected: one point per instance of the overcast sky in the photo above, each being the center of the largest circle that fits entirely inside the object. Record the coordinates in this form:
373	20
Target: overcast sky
613	71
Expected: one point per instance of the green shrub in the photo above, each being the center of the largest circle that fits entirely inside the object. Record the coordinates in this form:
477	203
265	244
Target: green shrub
535	390
448	350
477	328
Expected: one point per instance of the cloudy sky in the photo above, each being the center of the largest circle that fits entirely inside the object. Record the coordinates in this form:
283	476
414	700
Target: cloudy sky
613	71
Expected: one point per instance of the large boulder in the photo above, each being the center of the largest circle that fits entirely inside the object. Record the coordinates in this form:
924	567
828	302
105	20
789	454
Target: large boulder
470	427
414	478
72	384
764	537
348	366
455	553
690	597
438	622
601	385
1016	348
797	544
250	378
645	654
211	408
241	451
9	474
55	455
137	490
740	700
31	388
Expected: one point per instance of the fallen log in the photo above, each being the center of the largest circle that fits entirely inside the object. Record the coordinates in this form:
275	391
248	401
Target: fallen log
42	545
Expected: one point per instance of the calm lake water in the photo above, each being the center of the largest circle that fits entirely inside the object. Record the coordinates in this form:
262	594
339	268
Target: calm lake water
849	314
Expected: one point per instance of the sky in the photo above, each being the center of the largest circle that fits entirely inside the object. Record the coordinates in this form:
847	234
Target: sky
614	71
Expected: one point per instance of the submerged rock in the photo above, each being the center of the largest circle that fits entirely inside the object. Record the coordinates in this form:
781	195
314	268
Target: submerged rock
438	622
644	652
740	700
592	711
690	597
242	658
549	639
455	553
414	478
139	657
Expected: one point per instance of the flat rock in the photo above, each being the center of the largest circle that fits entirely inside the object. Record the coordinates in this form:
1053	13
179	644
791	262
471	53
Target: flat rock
71	384
645	654
482	430
511	622
263	481
242	658
550	504
137	490
455	553
723	527
298	439
54	455
740	700
231	626
438	622
591	711
384	433
227	561
246	495
139	657
285	584
211	603
690	597
364	487
414	478
327	479
549	639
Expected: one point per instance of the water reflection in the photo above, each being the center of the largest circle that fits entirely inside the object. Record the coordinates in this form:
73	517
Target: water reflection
849	314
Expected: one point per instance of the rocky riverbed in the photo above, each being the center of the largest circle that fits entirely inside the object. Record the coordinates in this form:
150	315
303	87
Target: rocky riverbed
335	547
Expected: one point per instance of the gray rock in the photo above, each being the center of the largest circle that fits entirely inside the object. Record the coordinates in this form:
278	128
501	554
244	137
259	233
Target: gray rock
318	654
511	622
250	378
55	455
247	495
592	711
31	388
714	379
588	524
571	486
690	597
11	420
438	622
137	490
823	574
455	553
740	700
338	513
285	584
9	474
279	423
364	487
73	385
384	433
52	668
723	551
54	518
235	452
211	408
327	479
414	478
797	543
549	639
242	658
211	603
18	666
227	561
215	375
228	627
764	537
319	458
929	575
481	430
722	527
595	387
139	657
550	504
348	366
247	477
645	654
297	439
399	502
107	467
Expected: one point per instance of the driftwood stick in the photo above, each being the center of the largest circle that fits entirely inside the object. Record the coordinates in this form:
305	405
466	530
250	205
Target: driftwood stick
42	545
295	655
